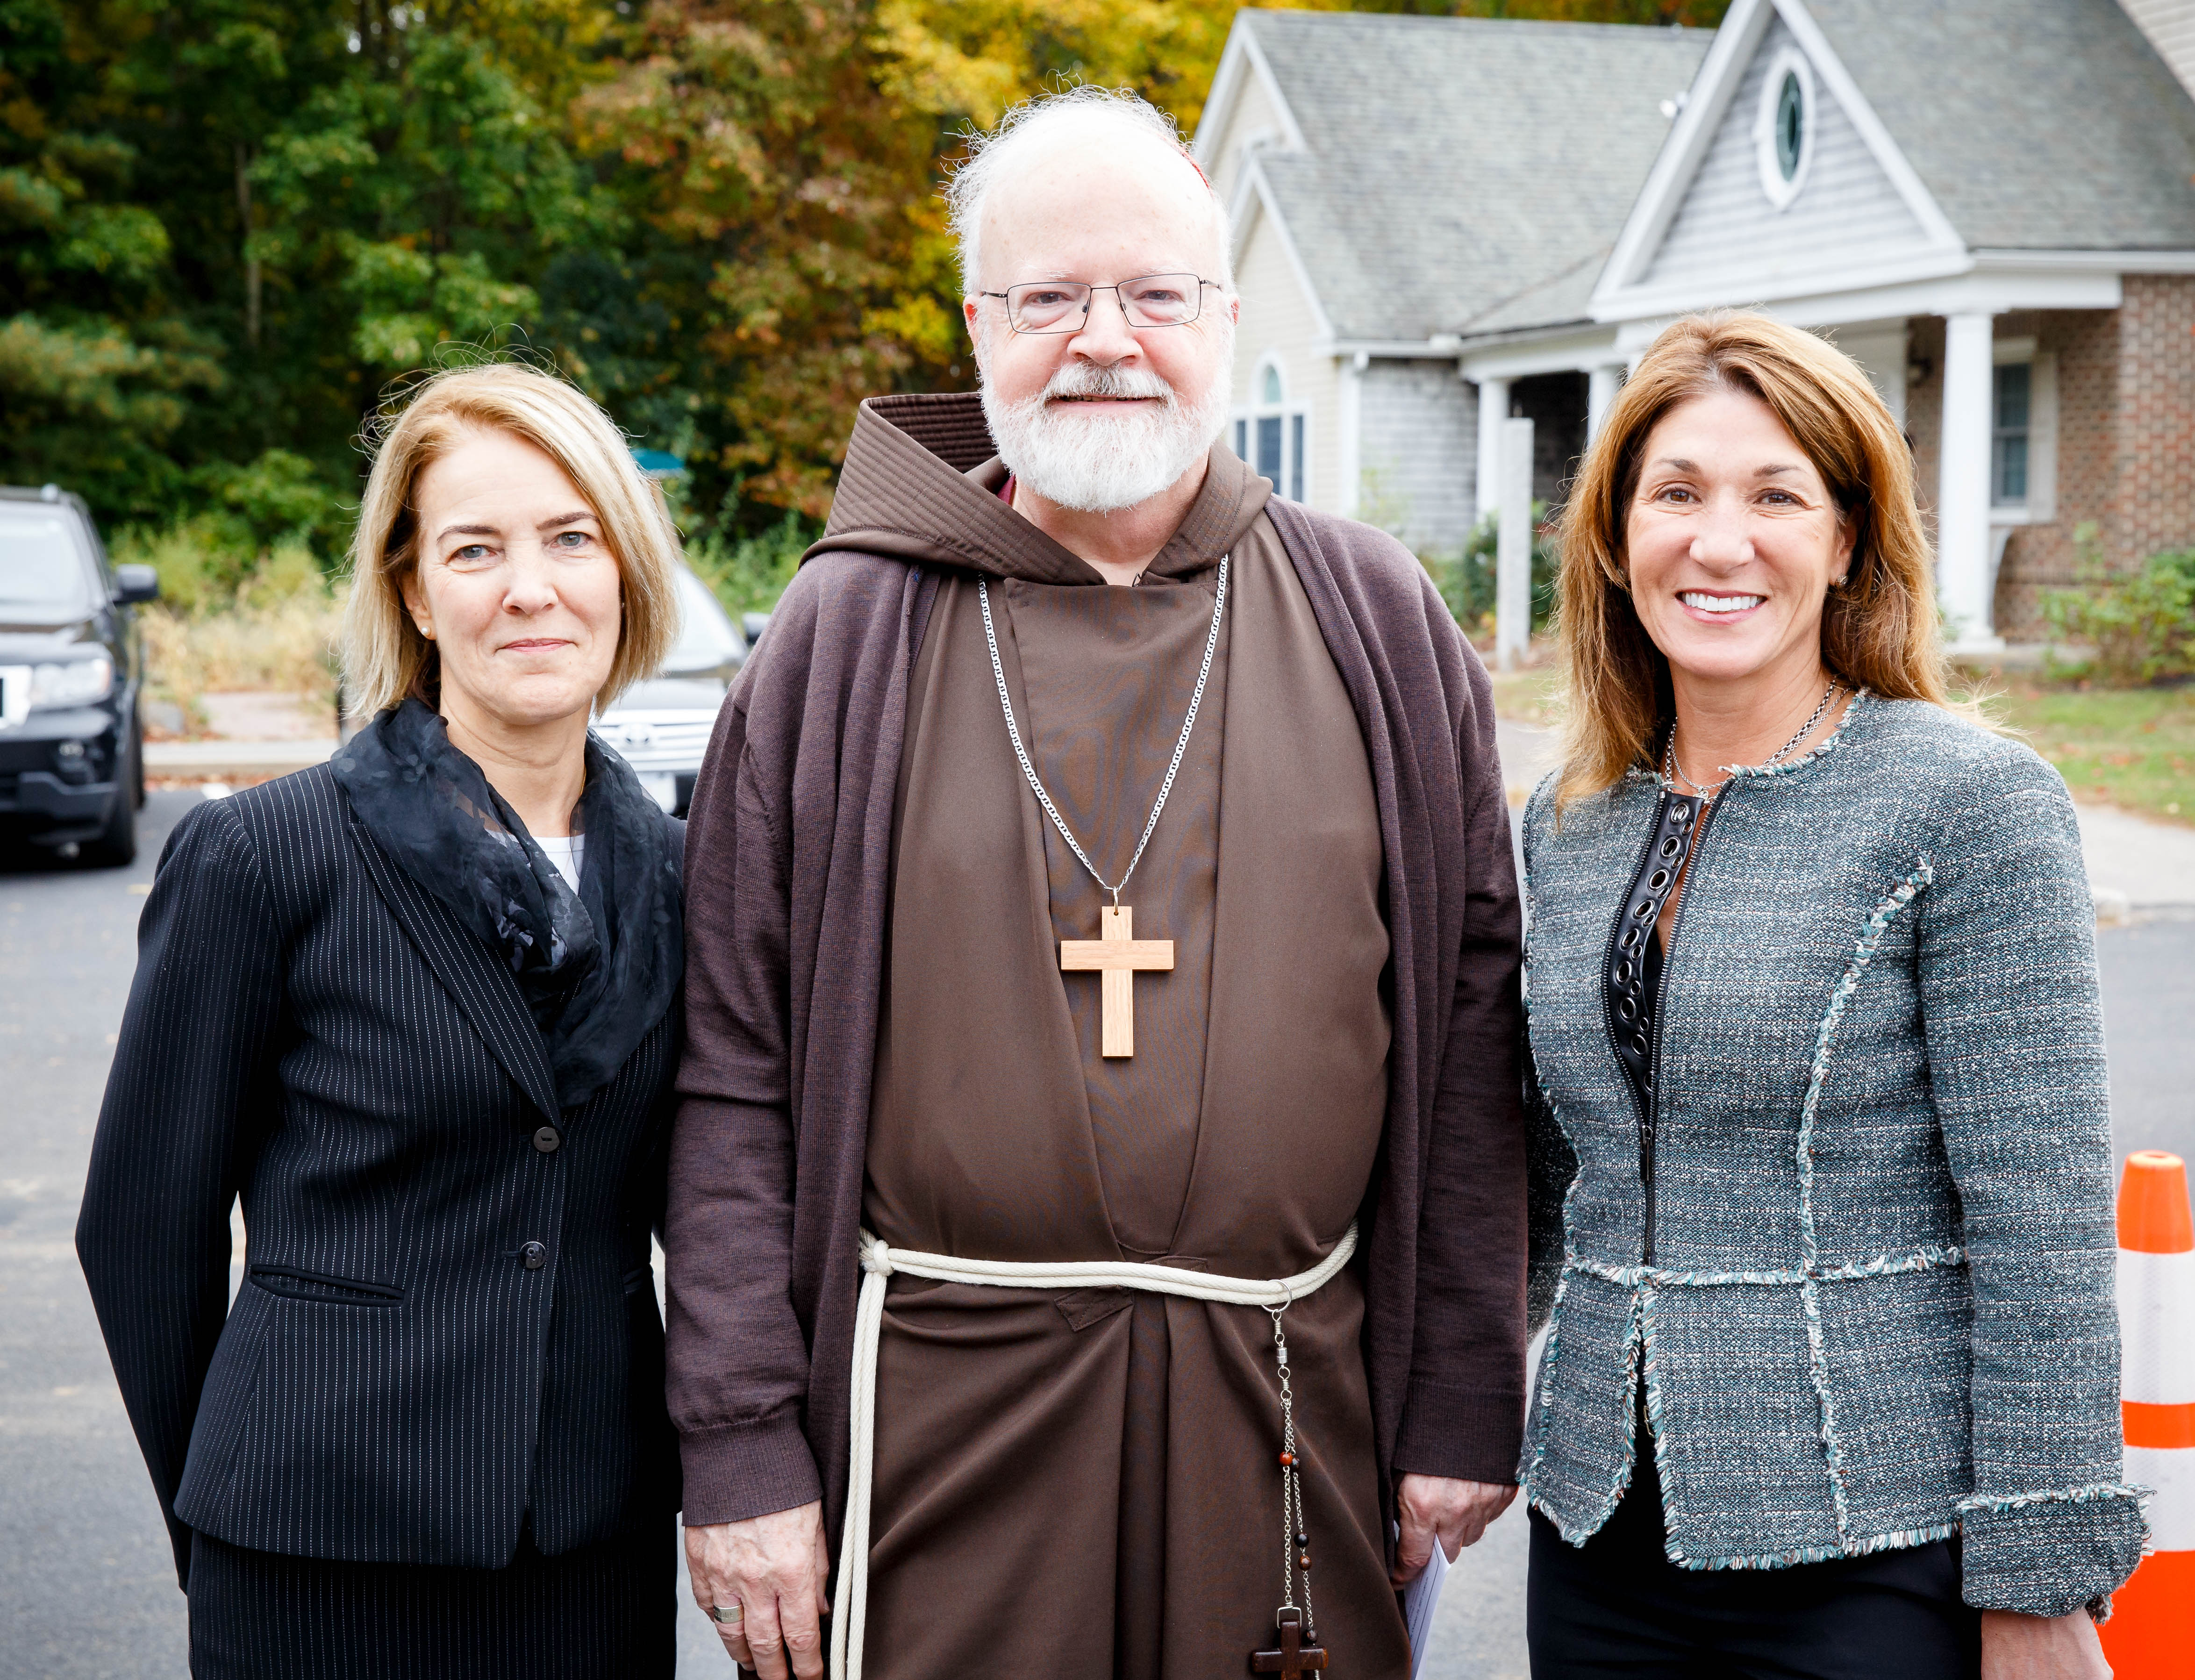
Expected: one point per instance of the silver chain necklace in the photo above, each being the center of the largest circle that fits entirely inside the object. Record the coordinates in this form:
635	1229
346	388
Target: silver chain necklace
1675	773
1188	724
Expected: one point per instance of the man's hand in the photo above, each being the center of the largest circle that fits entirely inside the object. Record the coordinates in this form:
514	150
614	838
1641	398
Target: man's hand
773	1568
1441	1508
2041	1647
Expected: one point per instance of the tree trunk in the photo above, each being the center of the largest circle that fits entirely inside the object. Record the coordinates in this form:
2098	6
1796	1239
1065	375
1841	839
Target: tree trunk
251	259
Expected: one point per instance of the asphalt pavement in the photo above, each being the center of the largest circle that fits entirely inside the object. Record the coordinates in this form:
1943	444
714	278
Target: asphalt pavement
87	1585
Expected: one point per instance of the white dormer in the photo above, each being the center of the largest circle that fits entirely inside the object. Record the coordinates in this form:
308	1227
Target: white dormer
1777	181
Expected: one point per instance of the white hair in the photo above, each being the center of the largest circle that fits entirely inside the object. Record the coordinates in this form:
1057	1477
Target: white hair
1101	465
1103	113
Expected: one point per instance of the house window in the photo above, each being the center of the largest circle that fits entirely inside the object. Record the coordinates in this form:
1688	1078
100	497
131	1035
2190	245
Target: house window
1784	126
2011	419
1273	436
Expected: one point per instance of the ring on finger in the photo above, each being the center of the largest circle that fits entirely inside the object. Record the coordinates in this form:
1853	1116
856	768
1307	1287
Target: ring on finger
729	1614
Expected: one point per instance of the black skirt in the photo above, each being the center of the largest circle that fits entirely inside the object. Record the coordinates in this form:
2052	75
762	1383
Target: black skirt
606	1612
1618	1606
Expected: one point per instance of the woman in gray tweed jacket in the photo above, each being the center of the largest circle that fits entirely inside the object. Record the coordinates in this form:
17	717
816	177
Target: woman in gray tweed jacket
1822	1205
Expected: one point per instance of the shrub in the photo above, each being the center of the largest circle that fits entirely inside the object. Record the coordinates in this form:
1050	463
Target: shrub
749	573
2141	623
1467	581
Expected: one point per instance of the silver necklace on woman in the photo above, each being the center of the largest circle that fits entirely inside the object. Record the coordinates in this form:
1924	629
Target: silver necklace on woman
1115	955
1674	772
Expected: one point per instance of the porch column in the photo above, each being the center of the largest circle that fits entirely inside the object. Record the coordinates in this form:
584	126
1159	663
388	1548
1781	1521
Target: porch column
1493	409
1962	491
1512	574
1603	380
1349	445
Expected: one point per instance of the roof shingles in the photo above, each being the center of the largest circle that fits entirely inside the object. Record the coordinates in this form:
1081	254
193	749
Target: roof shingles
1462	168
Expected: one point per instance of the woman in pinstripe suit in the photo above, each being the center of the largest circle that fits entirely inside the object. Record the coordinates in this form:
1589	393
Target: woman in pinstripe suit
415	1008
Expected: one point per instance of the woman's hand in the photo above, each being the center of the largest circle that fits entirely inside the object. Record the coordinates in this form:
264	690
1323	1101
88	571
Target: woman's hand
1441	1508
2041	1647
774	1568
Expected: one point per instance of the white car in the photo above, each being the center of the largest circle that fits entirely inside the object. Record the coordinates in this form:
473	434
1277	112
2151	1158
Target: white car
661	727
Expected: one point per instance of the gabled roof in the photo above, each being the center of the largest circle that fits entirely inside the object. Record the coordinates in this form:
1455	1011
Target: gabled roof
1451	169
2036	125
2046	126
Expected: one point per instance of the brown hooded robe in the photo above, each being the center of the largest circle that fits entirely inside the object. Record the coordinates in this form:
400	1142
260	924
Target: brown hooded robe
1083	1484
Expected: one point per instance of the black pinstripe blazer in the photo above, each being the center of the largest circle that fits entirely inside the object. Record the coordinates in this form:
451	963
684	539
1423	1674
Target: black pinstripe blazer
445	1330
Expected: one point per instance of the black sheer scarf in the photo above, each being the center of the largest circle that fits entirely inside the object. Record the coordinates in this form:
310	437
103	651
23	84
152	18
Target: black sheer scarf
597	967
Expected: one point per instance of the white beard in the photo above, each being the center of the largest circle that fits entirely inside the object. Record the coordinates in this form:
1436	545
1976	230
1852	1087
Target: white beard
1100	464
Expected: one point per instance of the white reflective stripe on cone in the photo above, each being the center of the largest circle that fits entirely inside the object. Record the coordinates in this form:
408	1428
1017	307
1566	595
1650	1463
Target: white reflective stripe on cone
2157	1327
2171	1472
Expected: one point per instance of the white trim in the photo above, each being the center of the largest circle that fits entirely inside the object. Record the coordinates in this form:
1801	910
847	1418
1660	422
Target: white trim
1698	118
1294	468
1493	414
1571	352
1349	429
1994	293
1255	186
2041	506
2043	439
1616	295
1440	348
1845	91
1964	546
1689	295
1788	62
1241	57
2082	262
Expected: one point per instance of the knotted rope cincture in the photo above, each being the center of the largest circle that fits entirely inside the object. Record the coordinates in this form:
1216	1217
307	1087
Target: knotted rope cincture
881	1263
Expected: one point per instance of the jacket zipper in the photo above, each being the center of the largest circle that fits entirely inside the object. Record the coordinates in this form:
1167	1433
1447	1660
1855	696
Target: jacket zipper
1608	1019
1649	1141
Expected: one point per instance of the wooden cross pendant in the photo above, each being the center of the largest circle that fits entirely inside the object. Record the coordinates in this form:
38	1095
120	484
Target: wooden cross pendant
1115	956
1294	1659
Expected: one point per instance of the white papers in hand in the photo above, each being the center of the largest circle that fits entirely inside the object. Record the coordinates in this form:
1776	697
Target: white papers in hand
1420	1598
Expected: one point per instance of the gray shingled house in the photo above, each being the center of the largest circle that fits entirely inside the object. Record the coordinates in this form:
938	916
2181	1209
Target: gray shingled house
1991	204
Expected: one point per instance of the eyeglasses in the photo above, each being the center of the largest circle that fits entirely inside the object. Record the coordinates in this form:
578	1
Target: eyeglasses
1063	306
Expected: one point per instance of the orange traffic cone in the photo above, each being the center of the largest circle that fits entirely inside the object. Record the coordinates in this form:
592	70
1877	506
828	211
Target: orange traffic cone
2151	1633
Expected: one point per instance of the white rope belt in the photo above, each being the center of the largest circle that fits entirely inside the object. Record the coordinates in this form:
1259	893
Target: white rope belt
879	1261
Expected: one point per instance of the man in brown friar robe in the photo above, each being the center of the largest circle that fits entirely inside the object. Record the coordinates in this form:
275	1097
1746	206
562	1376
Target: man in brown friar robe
936	769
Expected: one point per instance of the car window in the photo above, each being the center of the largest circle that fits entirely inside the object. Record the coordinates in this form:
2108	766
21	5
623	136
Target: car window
42	565
706	638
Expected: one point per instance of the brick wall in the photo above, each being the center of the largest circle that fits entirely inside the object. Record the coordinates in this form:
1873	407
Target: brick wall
2126	437
2042	557
2154	508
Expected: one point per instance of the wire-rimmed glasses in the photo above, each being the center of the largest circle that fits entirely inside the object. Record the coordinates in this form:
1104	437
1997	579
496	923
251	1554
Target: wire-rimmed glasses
1063	306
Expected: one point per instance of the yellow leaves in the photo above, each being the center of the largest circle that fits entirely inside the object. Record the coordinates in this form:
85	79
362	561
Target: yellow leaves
975	59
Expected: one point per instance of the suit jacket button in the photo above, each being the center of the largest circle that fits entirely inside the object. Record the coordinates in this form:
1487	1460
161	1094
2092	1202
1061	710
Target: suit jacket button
536	1255
548	1140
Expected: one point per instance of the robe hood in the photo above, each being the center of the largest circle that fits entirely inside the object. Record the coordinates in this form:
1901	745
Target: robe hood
921	484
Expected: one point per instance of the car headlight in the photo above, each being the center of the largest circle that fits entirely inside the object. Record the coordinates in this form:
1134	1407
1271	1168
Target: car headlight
75	683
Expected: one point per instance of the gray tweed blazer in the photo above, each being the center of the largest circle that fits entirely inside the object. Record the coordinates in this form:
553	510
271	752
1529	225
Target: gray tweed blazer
1881	1311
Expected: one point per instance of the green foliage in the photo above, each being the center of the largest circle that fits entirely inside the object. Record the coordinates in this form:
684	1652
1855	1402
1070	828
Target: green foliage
2141	625
1466	581
228	225
748	573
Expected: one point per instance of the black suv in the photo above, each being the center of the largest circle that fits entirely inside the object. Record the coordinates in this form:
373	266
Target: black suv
72	746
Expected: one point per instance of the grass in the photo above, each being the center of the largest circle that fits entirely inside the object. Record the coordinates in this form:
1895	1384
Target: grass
2133	748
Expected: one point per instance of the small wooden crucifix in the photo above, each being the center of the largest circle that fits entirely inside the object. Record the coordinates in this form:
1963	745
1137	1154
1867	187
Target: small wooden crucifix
1294	1659
1115	955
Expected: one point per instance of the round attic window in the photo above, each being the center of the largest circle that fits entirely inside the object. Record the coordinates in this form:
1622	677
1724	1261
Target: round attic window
1783	134
1790	126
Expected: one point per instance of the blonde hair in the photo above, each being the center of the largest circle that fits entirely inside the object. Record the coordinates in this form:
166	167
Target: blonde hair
385	658
1879	628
